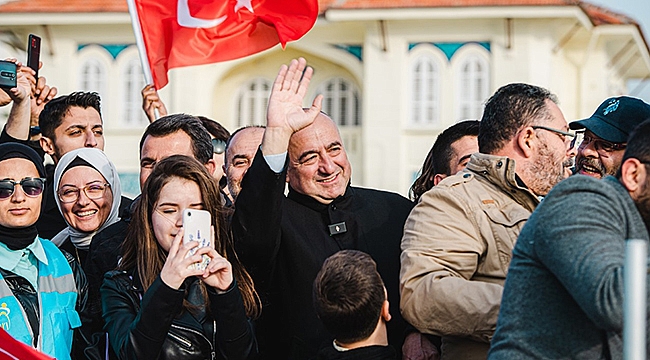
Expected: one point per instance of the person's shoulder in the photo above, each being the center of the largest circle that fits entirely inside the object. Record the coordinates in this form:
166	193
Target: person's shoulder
388	195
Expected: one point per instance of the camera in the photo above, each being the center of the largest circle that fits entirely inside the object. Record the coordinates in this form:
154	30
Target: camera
7	74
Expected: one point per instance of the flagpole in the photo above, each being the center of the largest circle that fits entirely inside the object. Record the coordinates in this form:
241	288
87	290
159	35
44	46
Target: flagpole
139	41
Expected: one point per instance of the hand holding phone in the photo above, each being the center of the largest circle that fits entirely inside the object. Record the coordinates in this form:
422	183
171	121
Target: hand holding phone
197	227
8	74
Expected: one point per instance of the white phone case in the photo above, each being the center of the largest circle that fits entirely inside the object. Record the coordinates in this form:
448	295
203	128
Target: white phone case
196	224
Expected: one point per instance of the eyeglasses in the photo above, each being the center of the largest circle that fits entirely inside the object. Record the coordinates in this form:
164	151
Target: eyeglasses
70	194
562	134
603	147
32	187
218	146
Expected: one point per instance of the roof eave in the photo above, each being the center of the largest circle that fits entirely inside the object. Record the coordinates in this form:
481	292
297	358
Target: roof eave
21	19
479	12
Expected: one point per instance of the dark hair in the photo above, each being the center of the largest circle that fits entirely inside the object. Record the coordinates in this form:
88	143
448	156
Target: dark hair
191	125
512	107
214	128
437	161
53	112
141	250
348	295
638	145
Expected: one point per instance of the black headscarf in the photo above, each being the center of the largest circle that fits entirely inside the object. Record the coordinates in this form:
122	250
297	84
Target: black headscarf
19	238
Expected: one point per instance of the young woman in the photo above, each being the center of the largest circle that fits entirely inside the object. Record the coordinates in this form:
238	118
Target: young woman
154	305
88	194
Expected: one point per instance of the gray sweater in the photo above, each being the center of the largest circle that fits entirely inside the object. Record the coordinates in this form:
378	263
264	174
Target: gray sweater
563	295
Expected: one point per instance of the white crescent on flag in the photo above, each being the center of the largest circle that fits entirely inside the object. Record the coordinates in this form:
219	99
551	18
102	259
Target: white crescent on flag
185	19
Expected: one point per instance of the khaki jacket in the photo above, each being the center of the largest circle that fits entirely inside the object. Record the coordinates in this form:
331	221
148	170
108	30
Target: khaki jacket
456	249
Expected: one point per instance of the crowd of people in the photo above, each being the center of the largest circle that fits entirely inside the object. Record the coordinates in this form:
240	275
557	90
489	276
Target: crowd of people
501	252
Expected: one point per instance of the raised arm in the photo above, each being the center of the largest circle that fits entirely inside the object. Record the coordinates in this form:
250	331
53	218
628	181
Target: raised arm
285	114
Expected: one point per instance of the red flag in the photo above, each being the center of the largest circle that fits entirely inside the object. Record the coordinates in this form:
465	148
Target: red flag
12	349
180	33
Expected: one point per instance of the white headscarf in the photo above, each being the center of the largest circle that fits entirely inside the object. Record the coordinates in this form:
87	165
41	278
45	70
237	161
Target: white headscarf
100	162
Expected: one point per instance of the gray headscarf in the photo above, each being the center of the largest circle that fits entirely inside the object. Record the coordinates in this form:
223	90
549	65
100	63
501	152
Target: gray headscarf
98	160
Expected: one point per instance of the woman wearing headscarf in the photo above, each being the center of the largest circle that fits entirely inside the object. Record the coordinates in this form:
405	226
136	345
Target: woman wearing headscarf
88	194
39	298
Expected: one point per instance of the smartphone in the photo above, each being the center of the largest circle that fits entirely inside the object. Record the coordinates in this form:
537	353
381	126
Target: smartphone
8	75
33	53
196	225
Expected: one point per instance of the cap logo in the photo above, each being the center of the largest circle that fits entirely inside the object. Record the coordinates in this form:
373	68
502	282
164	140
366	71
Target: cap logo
611	107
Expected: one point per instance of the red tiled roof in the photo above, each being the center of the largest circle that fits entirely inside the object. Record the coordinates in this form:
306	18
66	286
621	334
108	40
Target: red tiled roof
598	15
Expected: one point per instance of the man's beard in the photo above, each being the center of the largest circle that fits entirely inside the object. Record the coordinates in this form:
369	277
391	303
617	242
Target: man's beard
593	164
547	171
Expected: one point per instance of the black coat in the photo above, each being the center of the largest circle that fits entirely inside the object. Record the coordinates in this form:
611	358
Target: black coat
148	325
283	242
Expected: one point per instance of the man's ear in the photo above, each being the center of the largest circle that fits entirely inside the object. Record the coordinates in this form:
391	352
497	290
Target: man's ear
633	175
48	145
526	139
385	313
437	178
211	166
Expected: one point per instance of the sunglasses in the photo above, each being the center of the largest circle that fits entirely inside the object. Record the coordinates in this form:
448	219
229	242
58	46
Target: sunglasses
32	187
218	146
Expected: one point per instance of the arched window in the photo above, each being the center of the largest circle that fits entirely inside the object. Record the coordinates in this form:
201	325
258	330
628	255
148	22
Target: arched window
132	83
341	101
425	87
252	102
93	76
474	78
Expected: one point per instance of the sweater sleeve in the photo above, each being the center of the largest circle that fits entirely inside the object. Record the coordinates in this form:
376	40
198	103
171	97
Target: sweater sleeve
137	331
235	336
583	246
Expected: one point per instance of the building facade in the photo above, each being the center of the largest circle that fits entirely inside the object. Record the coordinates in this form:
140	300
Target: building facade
394	73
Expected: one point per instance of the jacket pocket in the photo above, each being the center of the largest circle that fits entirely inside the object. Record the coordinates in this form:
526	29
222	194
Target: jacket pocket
505	225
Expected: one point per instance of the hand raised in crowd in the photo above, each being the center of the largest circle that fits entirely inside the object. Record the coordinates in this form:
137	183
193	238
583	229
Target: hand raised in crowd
25	83
41	95
151	101
289	89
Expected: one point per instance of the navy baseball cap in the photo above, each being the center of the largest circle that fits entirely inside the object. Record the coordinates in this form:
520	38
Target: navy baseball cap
615	118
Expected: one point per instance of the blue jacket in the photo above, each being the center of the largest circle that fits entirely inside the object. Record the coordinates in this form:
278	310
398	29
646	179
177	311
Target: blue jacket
57	292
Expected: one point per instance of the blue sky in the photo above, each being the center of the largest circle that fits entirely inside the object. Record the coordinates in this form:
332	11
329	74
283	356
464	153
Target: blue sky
639	10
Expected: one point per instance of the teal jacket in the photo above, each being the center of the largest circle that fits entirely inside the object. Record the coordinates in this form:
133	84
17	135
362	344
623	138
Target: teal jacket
57	293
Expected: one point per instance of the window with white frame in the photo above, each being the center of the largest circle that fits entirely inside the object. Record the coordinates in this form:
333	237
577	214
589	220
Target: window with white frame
341	101
93	76
252	102
425	91
474	79
132	83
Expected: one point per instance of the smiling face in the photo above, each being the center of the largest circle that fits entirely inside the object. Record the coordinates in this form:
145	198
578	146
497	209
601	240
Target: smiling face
19	210
318	164
85	214
598	164
167	217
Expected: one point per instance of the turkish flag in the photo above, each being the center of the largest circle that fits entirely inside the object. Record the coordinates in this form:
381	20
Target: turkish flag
11	349
180	33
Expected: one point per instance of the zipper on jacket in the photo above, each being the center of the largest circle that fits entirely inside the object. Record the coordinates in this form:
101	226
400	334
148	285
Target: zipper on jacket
214	337
186	343
197	333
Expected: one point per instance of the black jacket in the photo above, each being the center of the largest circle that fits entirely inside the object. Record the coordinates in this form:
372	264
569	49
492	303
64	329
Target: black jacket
147	325
27	296
283	242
